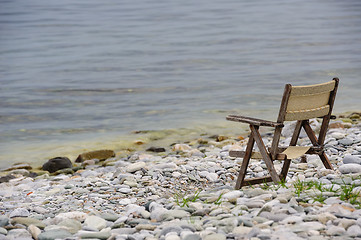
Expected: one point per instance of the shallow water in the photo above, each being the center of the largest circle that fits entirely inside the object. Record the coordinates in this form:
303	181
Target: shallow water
83	75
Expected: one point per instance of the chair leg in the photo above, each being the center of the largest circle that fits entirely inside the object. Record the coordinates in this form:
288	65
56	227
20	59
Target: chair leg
285	167
326	161
311	135
266	156
245	162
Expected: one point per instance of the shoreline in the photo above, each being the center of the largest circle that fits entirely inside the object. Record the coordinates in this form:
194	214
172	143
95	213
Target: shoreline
187	193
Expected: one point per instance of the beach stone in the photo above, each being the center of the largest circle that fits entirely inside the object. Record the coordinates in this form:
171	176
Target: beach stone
3	220
27	221
135	167
241	230
325	217
3	231
109	216
54	234
95	222
172	237
181	148
350	168
175	214
307	226
354	231
215	236
346	223
19	212
103	234
76	215
192	236
34	231
254	192
98	154
212	177
346	141
169	229
22	234
338	135
71	225
351	159
232	195
58	163
149	227
335	231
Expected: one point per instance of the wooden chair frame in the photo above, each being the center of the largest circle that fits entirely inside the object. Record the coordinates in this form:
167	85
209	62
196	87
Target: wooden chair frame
275	152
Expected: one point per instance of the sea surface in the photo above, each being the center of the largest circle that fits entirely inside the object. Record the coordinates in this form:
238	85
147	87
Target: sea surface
84	75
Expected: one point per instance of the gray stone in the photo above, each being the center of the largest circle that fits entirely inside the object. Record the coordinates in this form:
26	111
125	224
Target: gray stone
354	231
174	214
350	168
71	225
351	159
335	231
27	221
135	167
3	231
274	216
19	212
169	229
192	236
4	221
241	230
19	234
95	222
216	236
346	141
54	234
232	195
103	234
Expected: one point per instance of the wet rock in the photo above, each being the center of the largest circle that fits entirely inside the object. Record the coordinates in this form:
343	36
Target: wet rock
98	154
18	166
6	178
156	149
55	164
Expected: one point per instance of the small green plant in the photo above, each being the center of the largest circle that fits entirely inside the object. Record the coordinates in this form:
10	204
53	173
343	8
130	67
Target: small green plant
265	186
183	201
196	196
319	198
299	186
347	193
282	183
219	200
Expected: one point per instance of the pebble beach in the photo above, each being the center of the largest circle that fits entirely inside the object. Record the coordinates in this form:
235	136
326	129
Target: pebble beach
185	191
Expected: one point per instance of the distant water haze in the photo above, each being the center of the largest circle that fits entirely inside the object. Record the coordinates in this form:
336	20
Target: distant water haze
82	75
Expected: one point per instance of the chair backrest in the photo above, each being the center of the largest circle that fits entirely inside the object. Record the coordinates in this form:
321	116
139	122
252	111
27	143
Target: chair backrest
305	102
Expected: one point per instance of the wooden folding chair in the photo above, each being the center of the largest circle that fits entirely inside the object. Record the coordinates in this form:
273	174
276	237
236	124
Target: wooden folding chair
299	103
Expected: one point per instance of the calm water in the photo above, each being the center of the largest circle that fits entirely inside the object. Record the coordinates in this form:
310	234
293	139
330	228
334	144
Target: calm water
82	75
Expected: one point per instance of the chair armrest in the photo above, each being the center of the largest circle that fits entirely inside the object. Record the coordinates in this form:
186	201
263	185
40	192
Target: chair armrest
253	121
